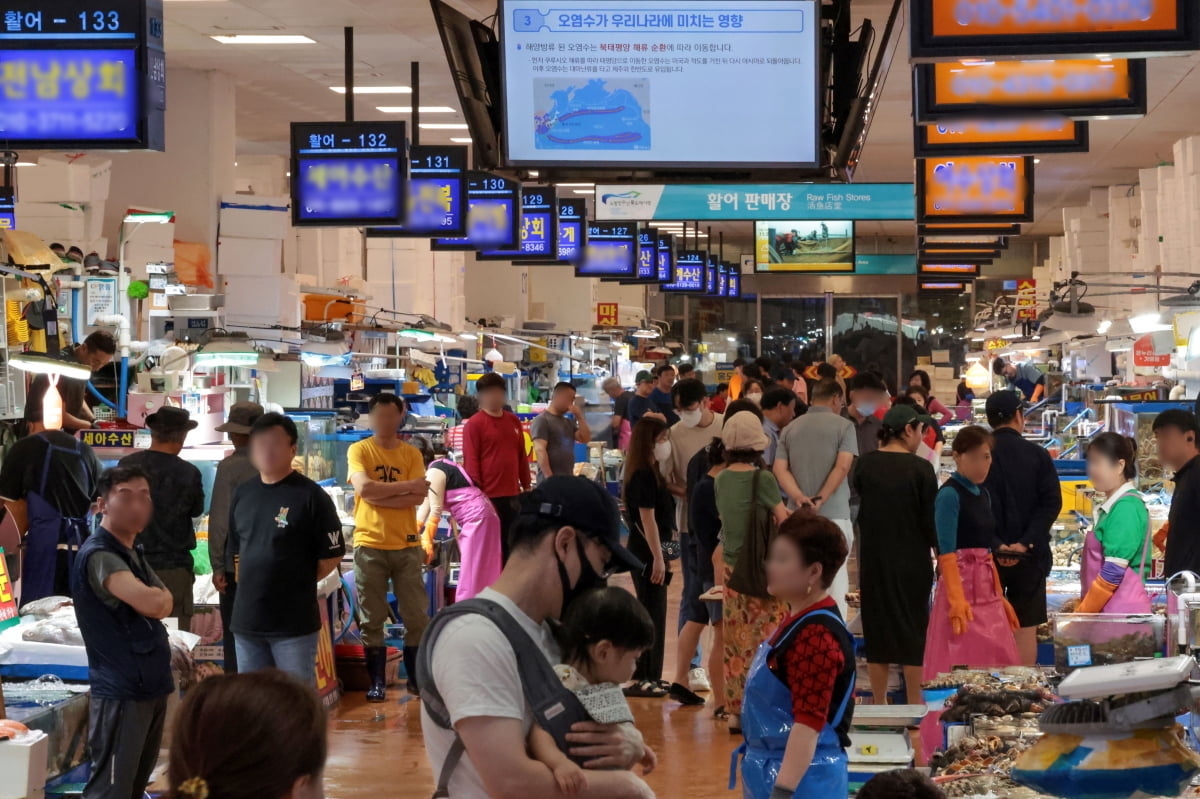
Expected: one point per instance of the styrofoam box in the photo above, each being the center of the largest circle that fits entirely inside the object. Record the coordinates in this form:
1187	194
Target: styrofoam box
93	219
255	257
23	766
252	217
249	298
151	233
941	356
55	181
137	255
62	222
943	373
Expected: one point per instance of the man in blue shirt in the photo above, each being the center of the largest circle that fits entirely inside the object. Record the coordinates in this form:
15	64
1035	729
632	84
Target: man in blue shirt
642	401
661	396
1024	377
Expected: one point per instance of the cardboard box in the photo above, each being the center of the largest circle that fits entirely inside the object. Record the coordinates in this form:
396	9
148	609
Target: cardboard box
252	217
252	257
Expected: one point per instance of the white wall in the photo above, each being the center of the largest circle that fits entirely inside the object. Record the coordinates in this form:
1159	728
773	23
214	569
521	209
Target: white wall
496	289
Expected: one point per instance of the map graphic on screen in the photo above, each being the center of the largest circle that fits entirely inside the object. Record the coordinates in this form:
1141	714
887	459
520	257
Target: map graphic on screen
592	114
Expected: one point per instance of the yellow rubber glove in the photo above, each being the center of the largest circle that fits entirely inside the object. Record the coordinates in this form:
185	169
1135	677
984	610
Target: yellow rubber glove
427	536
960	610
1097	596
1009	613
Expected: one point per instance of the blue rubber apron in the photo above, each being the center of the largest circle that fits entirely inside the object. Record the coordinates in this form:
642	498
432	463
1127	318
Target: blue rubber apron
1025	387
50	532
767	722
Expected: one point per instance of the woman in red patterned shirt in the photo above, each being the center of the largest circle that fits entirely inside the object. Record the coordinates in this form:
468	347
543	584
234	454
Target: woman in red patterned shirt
799	694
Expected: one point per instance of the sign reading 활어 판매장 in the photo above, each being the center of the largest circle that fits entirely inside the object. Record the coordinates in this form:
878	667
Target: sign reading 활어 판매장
768	201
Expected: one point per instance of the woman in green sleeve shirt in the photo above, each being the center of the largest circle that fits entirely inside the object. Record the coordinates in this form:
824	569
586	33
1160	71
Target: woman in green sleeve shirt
1116	552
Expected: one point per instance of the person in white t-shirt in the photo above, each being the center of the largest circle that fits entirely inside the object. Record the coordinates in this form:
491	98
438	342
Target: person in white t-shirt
565	543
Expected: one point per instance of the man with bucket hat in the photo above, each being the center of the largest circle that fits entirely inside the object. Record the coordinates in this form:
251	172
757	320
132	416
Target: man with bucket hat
177	492
231	473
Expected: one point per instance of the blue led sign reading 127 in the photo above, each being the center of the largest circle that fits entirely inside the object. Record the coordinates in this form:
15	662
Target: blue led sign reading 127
82	75
612	250
348	173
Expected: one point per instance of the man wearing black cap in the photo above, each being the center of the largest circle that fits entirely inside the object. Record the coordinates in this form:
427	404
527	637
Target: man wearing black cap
1026	499
178	495
231	473
566	541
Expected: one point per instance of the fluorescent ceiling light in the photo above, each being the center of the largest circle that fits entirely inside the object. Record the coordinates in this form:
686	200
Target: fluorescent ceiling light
1103	327
374	89
574	185
444	126
584	191
461	140
26	163
39	364
1148	323
263	39
407	109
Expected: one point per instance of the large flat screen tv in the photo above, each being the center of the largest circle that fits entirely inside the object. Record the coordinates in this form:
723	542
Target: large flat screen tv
632	84
821	246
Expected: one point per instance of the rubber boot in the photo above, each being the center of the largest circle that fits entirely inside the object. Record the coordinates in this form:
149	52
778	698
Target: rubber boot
410	667
376	659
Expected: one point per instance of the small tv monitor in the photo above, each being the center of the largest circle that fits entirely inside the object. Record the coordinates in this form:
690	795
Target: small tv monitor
666	257
611	250
349	174
437	192
689	272
539	228
821	246
493	214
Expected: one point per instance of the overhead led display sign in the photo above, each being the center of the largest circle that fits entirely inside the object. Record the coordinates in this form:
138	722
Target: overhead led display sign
723	270
1001	136
82	75
1072	88
348	173
690	266
968	229
648	257
940	286
934	243
493	214
437	191
955	270
734	288
666	257
960	252
538	232
975	189
611	250
1024	28
710	275
8	217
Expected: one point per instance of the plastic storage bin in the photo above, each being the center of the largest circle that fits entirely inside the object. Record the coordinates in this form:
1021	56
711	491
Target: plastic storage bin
1098	639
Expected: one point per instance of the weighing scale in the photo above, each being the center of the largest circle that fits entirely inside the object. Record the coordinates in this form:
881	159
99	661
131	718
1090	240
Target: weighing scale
879	738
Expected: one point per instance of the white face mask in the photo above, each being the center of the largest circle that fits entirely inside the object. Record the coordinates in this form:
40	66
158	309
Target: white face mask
867	408
662	450
755	398
691	418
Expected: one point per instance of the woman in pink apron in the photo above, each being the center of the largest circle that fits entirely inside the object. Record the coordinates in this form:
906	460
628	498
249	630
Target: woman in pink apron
1120	538
478	525
972	623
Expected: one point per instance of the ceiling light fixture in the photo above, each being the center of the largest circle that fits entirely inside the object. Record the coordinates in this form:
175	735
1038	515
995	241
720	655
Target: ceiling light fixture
1103	327
407	109
373	89
574	185
444	126
256	38
461	139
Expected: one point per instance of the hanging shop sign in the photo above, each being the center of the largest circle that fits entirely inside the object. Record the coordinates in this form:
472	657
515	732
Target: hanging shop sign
612	250
1145	353
1027	300
437	191
572	233
968	229
666	257
1000	136
607	314
647	267
8	216
949	270
493	214
689	272
79	76
1024	28
975	189
349	174
969	254
768	201
538	231
733	289
940	286
1073	88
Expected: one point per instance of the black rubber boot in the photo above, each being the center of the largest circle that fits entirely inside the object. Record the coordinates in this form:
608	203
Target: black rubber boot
410	667
376	658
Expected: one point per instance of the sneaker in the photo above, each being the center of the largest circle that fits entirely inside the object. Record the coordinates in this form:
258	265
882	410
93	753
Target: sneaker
698	681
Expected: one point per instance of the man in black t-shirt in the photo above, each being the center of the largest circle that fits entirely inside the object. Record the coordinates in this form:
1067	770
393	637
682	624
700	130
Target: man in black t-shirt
284	536
48	482
178	493
95	353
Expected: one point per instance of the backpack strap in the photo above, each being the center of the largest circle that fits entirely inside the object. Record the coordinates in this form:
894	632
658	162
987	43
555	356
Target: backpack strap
555	709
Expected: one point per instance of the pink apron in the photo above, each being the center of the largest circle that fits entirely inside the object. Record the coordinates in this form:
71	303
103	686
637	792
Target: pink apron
988	642
478	537
1130	596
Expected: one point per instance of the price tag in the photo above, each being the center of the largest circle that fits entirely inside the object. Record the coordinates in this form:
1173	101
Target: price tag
1079	656
357	381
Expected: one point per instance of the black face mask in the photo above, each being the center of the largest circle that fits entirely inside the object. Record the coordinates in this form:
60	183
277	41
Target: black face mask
588	578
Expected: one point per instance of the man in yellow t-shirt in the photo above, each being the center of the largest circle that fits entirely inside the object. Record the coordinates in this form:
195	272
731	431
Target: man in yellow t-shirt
388	476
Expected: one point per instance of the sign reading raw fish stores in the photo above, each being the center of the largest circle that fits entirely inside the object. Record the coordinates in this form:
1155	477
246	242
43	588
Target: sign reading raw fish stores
752	202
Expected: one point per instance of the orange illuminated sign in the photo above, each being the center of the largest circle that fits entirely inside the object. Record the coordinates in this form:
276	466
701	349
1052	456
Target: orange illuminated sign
975	189
1078	88
1030	28
960	270
1001	136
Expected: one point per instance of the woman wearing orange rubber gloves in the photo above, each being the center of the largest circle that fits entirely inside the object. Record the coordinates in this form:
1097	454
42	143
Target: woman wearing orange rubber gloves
972	623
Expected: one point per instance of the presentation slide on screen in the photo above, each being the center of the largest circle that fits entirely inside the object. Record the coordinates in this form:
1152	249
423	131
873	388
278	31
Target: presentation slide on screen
635	82
826	246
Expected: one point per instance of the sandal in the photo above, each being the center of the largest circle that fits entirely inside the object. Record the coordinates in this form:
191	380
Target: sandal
645	688
684	695
721	714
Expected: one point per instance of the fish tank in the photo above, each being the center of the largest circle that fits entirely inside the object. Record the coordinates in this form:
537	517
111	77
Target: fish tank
316	445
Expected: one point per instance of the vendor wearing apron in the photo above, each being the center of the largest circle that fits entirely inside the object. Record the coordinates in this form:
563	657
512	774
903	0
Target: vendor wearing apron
800	692
450	487
1121	537
48	482
1023	377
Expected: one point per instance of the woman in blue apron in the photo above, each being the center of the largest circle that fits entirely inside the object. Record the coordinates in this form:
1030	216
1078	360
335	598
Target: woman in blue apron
800	692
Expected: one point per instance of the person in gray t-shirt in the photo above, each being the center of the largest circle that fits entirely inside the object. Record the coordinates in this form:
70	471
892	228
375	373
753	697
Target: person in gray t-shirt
554	435
813	461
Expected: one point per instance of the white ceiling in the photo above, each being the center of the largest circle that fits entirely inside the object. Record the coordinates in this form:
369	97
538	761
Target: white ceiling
281	84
